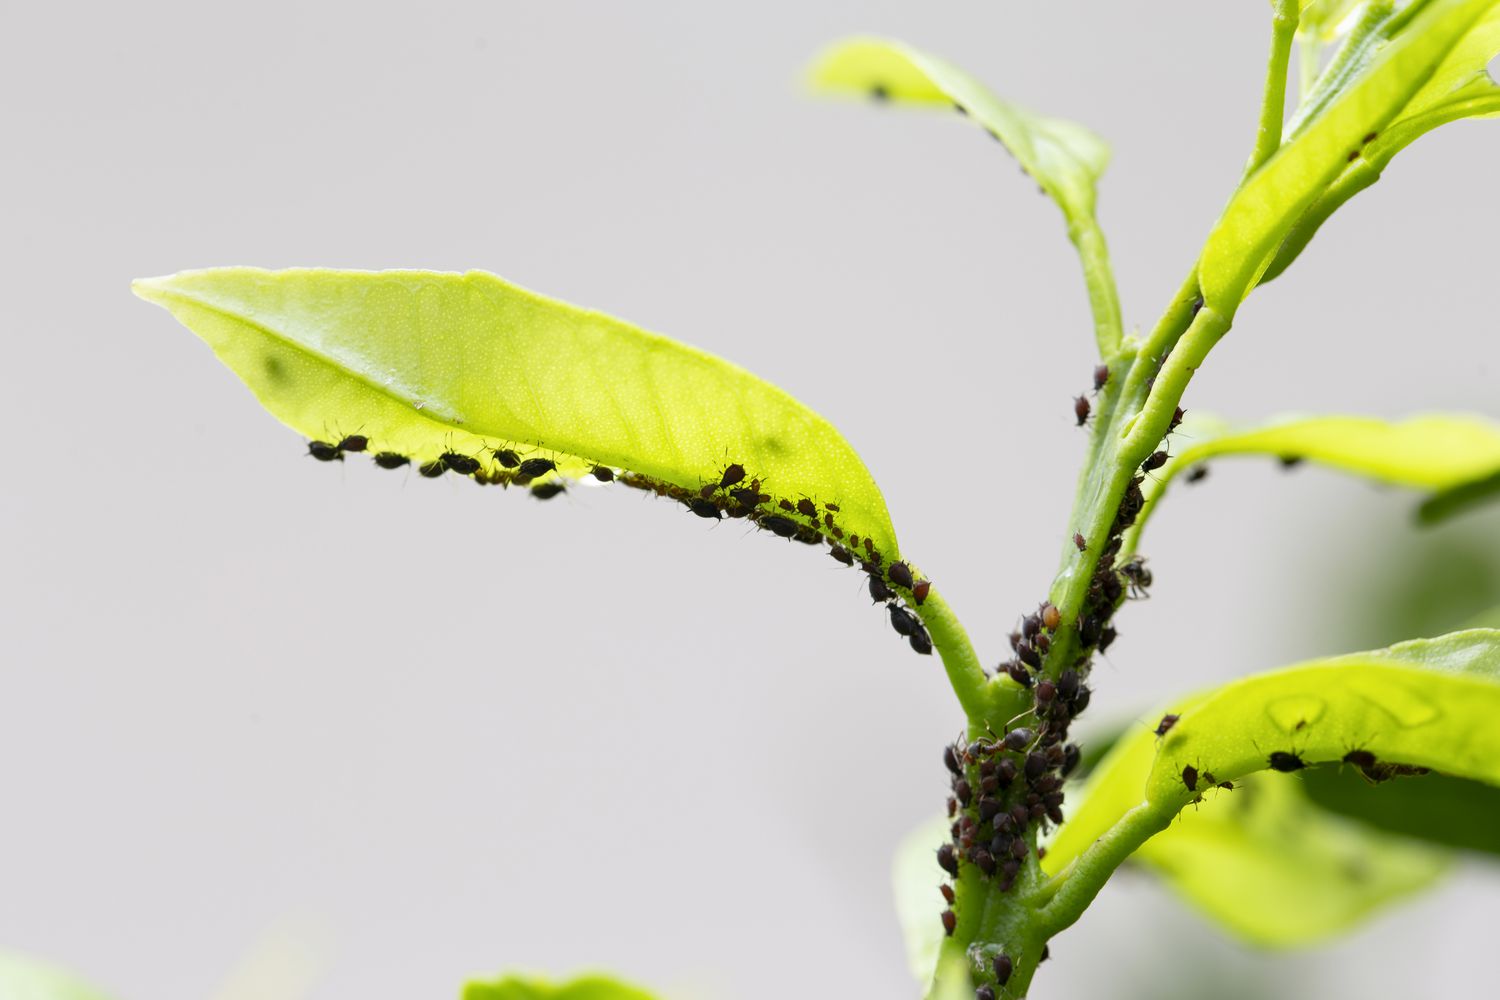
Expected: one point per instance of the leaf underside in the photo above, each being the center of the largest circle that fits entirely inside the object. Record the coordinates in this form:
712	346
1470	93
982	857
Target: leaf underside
1427	704
426	364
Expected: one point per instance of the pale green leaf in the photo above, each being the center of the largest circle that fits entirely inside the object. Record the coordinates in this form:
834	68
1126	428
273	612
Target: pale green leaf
1268	205
424	363
1325	20
1276	871
1459	88
1431	703
1065	158
1486	619
1451	456
24	978
915	877
587	987
1436	808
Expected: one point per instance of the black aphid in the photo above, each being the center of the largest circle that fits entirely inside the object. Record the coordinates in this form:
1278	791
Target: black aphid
464	465
920	641
324	452
432	469
1190	777
900	574
533	468
705	508
390	460
785	527
903	621
734	474
879	592
546	491
1101	377
603	473
354	442
507	458
1167	722
1282	760
1081	409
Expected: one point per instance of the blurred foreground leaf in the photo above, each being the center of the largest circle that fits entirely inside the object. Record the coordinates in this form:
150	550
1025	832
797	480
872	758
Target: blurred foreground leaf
27	979
587	987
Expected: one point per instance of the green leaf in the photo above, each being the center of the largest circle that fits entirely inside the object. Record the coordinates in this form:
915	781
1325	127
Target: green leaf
424	363
1436	808
587	987
1430	703
1263	212
1460	88
27	979
1323	19
1066	159
1276	871
915	877
1454	457
1487	619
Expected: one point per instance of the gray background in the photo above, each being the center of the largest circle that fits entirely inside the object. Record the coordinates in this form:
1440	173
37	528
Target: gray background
408	730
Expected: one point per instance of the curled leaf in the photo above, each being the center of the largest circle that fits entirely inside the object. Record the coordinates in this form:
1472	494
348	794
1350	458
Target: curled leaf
1065	158
1431	703
473	374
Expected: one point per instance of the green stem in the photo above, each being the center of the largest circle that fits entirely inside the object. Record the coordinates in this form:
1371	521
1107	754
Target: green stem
1074	888
1273	101
1104	298
965	673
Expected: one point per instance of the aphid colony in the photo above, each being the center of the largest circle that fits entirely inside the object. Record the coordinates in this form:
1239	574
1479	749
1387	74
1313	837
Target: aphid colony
733	494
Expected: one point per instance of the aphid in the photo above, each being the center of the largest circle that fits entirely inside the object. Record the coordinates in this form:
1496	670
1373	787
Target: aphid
1067	684
1081	409
831	506
984	861
536	467
733	475
1018	673
919	590
1197	474
1080	541
1154	461
841	554
1290	461
1036	765
390	460
1045	691
1071	756
920	641
464	465
1197	305
1369	138
854	541
950	922
1018	849
870	548
903	621
879	592
807	508
1285	761
603	473
1046	954
880	93
1167	722
779	525
947	860
947	891
1081	700
900	574
1005	771
701	507
1019	739
746	497
546	491
432	469
324	452
1089	630
707	491
1050	616
1003	968
509	459
354	442
1360	758
1101	377
1107	636
1190	777
828	521
787	506
1177	416
1030	626
950	760
1028	655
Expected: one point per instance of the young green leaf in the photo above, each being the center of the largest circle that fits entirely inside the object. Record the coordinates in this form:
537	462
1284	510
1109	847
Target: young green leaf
1436	808
1430	703
587	987
1275	870
1453	456
1460	88
422	363
1323	20
24	978
1264	210
1065	158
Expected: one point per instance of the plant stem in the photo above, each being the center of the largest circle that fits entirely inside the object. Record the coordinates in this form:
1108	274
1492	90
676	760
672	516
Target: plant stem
965	673
1104	298
1273	102
1074	888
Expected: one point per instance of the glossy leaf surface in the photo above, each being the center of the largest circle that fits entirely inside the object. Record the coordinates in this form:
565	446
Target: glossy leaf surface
1264	210
1423	704
588	987
24	978
1065	158
423	363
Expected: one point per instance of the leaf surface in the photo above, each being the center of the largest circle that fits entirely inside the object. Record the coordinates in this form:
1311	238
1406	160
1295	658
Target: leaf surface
587	987
1431	703
422	363
1436	808
1065	158
1262	213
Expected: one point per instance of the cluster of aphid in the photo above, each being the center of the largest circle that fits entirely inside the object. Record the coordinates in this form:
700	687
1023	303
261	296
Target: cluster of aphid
734	494
1372	768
